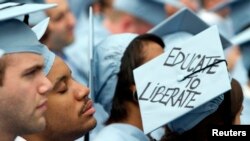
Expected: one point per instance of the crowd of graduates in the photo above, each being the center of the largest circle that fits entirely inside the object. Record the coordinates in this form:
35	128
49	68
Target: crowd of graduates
68	69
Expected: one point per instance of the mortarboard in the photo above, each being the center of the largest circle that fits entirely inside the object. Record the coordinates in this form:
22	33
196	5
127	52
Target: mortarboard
34	17
183	87
183	21
10	10
26	39
147	10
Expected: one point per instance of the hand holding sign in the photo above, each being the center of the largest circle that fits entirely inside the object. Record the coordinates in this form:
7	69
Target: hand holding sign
163	97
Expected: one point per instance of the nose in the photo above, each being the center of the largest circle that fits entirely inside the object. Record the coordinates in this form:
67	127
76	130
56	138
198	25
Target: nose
71	20
81	92
45	86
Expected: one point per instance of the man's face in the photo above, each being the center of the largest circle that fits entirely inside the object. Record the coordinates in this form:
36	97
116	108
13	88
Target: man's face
23	100
70	111
61	24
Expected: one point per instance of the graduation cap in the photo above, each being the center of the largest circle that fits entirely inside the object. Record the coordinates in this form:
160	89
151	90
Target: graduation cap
183	21
34	17
11	9
147	10
107	60
184	85
26	39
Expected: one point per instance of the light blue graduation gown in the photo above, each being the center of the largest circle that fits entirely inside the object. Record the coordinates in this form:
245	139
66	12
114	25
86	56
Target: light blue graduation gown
121	132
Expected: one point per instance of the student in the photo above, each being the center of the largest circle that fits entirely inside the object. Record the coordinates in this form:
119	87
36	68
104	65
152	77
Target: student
60	39
106	67
123	17
70	111
60	35
23	84
125	120
60	30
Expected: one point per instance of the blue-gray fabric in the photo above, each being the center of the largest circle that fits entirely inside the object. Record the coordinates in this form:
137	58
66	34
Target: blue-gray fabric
121	132
191	119
17	37
49	58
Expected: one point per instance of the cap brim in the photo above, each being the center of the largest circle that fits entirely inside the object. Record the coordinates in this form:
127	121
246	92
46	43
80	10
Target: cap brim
11	9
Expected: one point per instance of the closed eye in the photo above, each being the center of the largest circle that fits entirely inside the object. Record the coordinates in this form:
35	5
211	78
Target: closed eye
61	88
61	85
30	72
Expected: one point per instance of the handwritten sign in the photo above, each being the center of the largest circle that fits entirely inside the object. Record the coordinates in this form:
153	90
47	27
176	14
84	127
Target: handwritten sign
181	79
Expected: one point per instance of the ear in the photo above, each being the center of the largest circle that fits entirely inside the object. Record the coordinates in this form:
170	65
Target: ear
133	89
